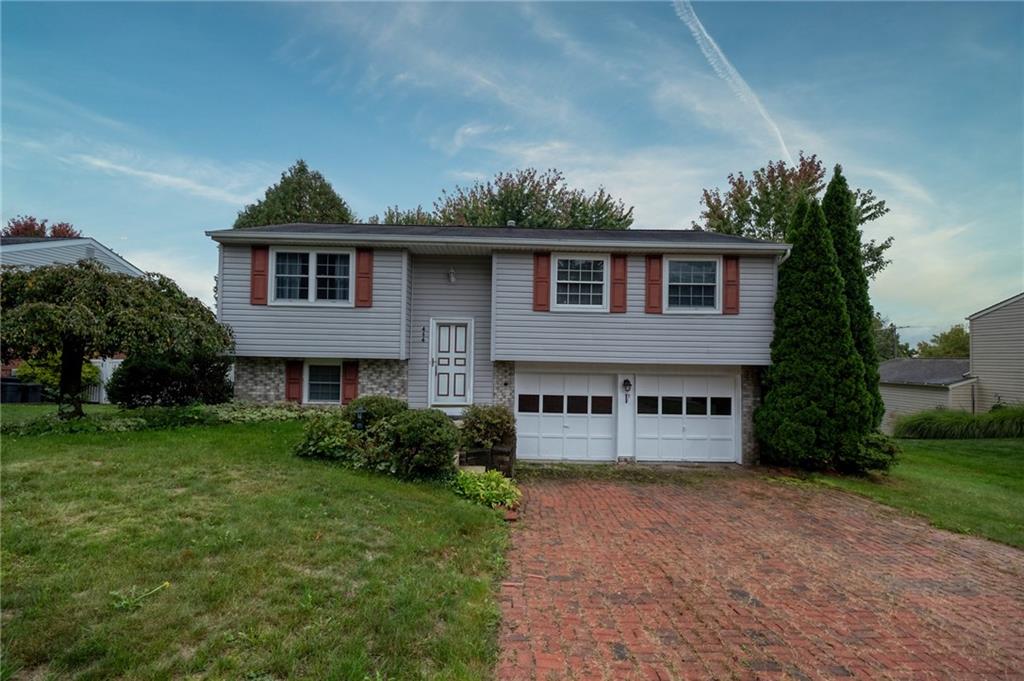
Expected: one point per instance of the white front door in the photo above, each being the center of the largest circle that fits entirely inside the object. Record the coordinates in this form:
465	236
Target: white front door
451	363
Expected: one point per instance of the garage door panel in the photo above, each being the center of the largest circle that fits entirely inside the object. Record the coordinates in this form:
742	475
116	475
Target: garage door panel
675	420
571	423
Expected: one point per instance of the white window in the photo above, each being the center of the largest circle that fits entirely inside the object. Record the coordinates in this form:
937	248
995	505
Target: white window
322	380
580	282
692	284
303	275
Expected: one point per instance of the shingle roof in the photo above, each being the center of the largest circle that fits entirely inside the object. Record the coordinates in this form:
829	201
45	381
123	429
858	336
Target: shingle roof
15	240
938	372
624	236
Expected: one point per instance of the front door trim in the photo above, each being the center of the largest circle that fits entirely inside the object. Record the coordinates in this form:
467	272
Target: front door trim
435	322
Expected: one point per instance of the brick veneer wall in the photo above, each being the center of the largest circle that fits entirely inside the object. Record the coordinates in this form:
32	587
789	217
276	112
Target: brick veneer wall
750	387
505	384
384	377
259	379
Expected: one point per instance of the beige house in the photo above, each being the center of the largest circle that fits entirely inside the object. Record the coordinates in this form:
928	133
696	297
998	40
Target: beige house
997	354
909	386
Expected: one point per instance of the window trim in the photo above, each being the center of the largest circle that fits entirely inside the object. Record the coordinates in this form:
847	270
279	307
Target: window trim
311	299
666	309
605	287
322	361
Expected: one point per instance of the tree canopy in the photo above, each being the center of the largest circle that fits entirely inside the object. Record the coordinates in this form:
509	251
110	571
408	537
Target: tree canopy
953	342
28	225
528	197
888	343
761	207
85	310
302	195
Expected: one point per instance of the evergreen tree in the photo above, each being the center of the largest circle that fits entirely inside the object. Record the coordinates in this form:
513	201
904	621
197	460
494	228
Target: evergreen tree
302	195
840	213
815	413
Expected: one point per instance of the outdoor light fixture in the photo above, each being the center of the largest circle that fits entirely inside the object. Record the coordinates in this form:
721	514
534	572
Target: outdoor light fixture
627	385
451	276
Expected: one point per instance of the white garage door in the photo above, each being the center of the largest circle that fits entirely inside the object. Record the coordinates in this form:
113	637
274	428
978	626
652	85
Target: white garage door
686	418
565	416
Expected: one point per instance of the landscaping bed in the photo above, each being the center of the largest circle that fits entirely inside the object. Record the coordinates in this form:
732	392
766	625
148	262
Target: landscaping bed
215	552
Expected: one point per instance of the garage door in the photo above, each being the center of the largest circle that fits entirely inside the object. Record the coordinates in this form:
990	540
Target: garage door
684	418
565	416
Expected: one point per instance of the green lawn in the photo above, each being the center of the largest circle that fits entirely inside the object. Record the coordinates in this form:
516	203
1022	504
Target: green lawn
275	567
970	486
17	413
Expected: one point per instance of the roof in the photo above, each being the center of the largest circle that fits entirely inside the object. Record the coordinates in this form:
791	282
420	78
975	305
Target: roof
993	308
932	372
499	236
16	240
23	251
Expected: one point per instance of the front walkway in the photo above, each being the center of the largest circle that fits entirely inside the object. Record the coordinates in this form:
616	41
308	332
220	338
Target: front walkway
733	576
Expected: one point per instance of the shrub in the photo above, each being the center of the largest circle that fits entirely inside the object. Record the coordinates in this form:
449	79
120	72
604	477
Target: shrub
484	427
375	408
420	443
151	380
877	452
328	435
46	372
490	489
242	412
1008	421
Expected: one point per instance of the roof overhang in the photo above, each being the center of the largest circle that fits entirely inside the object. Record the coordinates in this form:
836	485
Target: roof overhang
484	244
919	384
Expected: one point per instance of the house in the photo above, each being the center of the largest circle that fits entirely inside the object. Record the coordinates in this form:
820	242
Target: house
997	353
636	344
35	251
909	386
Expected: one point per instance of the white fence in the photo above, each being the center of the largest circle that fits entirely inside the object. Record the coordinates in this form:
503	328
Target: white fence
98	393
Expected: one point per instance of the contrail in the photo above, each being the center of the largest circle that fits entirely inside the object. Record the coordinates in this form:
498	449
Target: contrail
718	61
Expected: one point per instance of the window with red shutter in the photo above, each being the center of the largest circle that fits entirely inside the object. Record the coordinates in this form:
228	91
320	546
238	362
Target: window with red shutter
259	275
541	282
364	277
619	279
731	285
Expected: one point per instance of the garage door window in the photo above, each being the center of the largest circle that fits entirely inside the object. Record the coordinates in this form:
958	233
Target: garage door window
672	406
721	406
647	404
600	405
529	404
576	404
553	404
696	406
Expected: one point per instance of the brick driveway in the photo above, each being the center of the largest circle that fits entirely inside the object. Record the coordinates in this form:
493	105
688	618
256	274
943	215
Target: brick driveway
738	577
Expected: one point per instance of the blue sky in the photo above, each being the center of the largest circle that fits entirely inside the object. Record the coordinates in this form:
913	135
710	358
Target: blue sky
145	124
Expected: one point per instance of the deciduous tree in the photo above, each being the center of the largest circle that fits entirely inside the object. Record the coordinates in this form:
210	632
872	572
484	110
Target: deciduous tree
888	343
30	226
302	195
953	342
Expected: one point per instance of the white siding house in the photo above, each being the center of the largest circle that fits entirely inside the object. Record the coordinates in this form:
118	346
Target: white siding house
33	252
997	353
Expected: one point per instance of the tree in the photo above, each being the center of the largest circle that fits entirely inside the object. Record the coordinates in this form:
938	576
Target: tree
393	215
888	343
840	214
816	411
302	195
953	342
83	310
761	207
27	225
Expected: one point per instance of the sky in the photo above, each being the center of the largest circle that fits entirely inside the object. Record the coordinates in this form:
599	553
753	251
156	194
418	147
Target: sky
145	124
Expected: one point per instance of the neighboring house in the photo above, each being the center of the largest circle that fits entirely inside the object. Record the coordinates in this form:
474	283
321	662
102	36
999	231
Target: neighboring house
645	344
35	251
997	353
909	386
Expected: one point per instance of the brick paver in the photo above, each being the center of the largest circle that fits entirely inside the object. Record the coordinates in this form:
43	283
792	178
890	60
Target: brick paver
739	577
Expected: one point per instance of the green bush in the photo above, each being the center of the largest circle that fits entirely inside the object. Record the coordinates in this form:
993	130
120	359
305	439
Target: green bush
945	424
484	427
420	443
243	412
490	489
46	372
877	452
375	408
328	435
146	380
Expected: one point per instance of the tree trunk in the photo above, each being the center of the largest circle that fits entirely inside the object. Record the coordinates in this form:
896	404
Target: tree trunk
69	399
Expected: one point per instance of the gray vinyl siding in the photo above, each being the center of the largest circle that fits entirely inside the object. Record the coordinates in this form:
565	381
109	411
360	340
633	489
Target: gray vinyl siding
313	330
901	400
66	253
997	355
961	397
632	337
434	297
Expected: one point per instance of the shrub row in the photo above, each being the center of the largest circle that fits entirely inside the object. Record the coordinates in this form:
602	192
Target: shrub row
945	424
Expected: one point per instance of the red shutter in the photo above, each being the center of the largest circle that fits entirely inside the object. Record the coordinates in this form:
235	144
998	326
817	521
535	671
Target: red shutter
618	300
364	277
349	381
293	381
731	287
653	285
258	275
541	282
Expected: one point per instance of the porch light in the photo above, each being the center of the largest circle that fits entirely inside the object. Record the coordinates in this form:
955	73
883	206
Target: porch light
627	385
451	276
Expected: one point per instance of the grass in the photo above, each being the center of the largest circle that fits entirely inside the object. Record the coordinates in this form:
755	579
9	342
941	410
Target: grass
20	412
968	486
213	552
667	474
952	424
